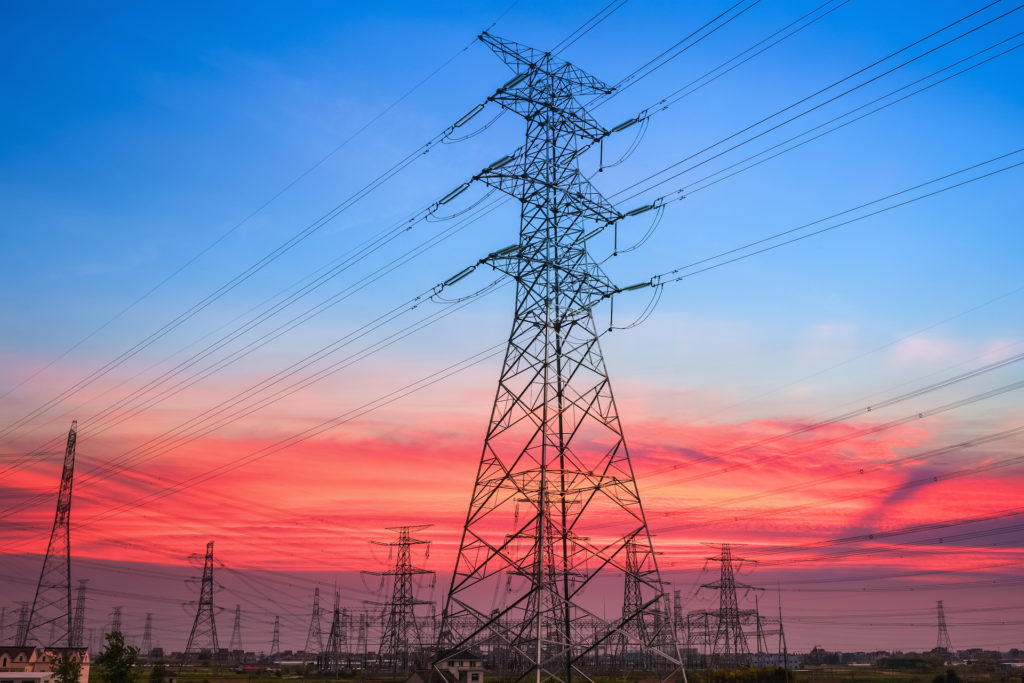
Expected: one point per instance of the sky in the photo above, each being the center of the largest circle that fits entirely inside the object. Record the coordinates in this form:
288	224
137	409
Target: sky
796	399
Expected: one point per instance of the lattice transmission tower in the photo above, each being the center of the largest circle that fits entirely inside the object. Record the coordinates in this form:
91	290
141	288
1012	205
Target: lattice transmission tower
146	648
78	623
555	504
402	639
51	607
275	643
330	659
22	627
942	642
204	628
314	637
729	646
115	620
235	645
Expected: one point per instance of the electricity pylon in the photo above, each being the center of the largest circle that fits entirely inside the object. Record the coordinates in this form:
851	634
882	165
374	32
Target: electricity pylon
22	628
235	646
330	660
51	606
78	624
314	638
115	620
204	628
401	637
729	647
942	642
147	636
555	503
275	643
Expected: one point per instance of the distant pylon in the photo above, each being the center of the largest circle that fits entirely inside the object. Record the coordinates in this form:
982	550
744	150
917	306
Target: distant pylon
19	636
314	637
115	620
729	646
634	631
235	646
204	628
555	501
3	624
330	660
52	603
362	639
402	639
942	641
783	649
275	643
147	636
678	623
78	625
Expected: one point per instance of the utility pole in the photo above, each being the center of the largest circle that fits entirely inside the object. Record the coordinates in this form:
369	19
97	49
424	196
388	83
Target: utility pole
147	636
275	643
204	628
401	638
51	606
555	502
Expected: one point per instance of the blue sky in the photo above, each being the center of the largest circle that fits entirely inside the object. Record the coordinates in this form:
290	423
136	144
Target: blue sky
136	135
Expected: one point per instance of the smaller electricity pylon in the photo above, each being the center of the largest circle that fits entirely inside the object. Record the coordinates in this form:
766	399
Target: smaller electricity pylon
78	625
275	643
235	646
51	607
942	642
204	628
402	640
330	660
147	636
314	637
729	647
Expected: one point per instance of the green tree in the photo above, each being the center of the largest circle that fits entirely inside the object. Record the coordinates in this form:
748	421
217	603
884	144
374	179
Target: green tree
65	668
117	661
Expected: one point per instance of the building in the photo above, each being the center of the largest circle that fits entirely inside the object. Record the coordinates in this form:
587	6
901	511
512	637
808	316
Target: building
32	664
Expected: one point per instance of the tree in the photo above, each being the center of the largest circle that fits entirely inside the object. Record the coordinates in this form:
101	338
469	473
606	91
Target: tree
117	661
66	668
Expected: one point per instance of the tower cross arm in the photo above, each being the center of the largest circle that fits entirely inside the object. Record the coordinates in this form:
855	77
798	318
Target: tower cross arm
521	59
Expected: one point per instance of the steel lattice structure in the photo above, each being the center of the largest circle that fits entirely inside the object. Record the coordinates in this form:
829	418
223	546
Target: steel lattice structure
51	606
942	642
235	644
275	642
330	659
402	639
314	637
78	624
204	628
146	648
555	504
729	647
